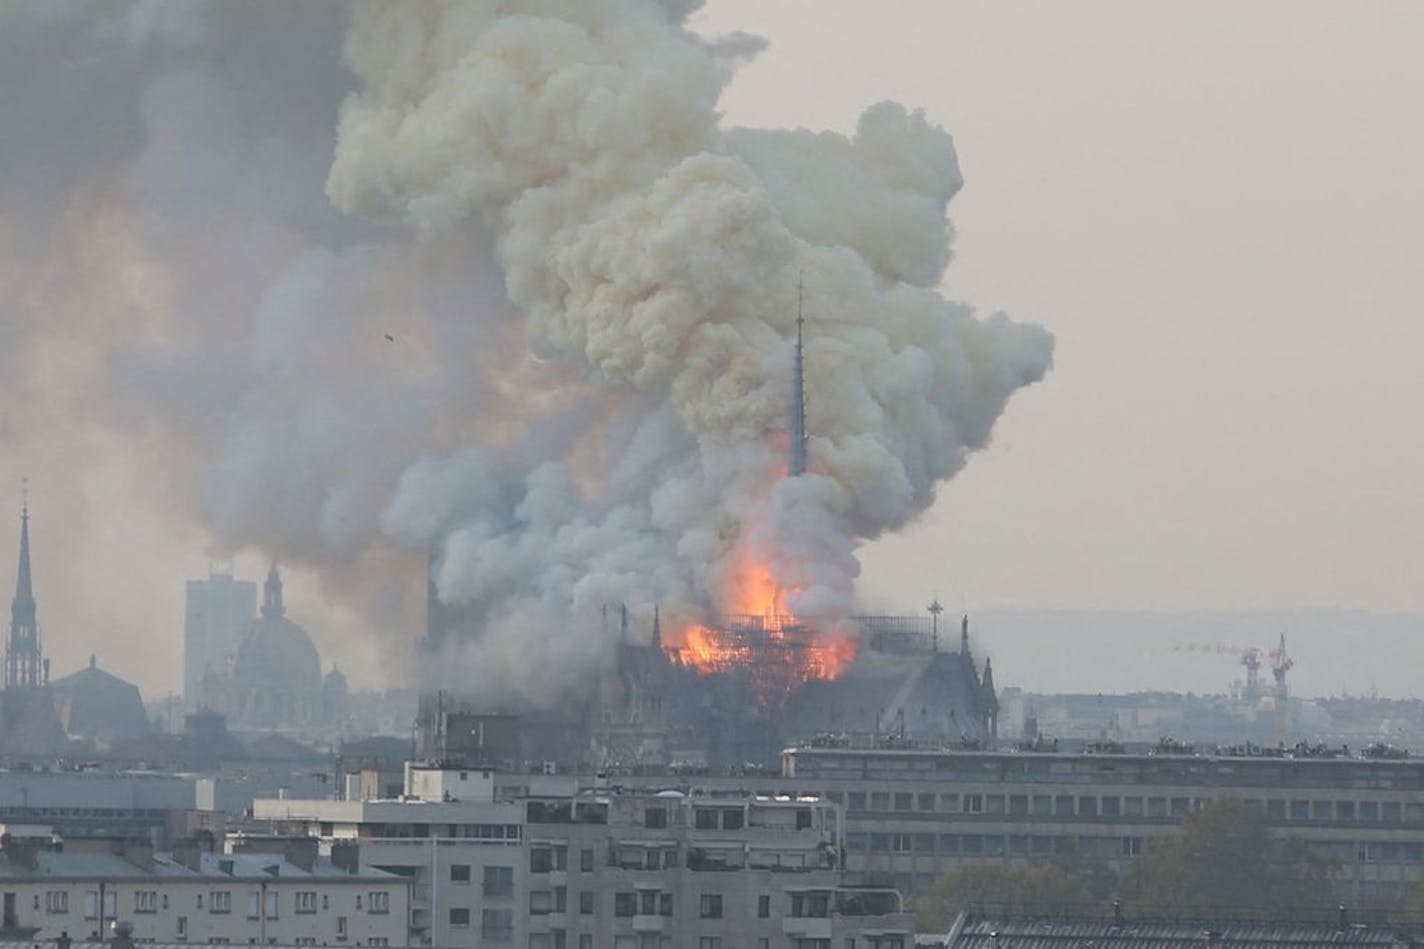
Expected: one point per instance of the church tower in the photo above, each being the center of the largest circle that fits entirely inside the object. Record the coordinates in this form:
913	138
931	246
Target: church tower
24	663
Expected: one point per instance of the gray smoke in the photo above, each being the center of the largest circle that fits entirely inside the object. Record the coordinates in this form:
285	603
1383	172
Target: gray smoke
589	288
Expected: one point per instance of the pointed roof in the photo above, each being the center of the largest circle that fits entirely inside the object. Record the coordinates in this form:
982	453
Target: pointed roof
991	697
22	608
272	607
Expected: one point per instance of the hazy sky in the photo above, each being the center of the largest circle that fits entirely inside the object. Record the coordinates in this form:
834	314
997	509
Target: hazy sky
1217	209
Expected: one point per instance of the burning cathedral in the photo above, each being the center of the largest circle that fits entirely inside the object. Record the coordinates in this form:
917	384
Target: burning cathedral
728	693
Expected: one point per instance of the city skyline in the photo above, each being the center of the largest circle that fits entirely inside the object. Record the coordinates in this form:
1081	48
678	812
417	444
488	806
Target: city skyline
1220	253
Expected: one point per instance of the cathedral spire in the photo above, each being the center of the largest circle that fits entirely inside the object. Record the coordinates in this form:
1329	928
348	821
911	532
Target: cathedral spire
272	606
23	661
798	396
657	627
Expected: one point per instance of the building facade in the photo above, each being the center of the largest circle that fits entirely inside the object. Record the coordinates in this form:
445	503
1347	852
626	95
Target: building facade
287	897
609	869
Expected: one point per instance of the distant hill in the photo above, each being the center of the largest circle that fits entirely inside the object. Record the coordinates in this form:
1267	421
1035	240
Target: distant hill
1335	651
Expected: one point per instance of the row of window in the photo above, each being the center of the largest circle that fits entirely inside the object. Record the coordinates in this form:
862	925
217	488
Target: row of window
56	902
1094	805
1038	845
994	845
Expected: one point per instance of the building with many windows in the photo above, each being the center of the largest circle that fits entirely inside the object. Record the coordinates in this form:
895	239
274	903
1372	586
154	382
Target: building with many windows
606	868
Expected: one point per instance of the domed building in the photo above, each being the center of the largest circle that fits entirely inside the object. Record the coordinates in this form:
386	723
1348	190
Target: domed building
275	678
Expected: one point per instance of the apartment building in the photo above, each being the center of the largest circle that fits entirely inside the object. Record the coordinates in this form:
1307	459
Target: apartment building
610	868
289	897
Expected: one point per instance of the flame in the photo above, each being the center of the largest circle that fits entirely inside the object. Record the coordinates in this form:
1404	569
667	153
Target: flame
761	637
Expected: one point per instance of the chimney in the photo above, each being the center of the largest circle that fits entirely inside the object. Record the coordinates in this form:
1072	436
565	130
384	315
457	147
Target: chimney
188	852
346	855
21	853
301	852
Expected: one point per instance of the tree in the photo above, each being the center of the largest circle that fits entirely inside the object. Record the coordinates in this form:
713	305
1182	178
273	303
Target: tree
1038	889
1224	860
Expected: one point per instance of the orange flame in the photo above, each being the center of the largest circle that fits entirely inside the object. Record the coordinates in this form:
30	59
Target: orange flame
759	636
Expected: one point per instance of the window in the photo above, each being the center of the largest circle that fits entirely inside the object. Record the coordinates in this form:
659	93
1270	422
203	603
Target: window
880	800
585	941
855	801
710	942
586	860
272	903
57	901
1087	807
459	873
378	941
378	902
497	923
903	801
305	901
925	802
341	927
973	804
541	860
459	917
541	902
625	904
664	904
764	906
499	881
111	904
182	927
586	902
219	901
711	906
254	903
733	819
655	817
146	901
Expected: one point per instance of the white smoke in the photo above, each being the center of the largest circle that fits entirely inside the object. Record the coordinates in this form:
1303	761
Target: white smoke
658	255
547	326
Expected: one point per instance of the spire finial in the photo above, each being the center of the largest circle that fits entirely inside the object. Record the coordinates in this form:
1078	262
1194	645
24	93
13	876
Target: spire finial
24	662
272	594
935	608
964	634
657	627
798	389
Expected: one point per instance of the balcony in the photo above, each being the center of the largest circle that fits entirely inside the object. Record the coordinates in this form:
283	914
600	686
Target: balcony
807	927
649	924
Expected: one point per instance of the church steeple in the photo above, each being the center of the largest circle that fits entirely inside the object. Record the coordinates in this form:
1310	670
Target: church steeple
657	627
272	607
24	663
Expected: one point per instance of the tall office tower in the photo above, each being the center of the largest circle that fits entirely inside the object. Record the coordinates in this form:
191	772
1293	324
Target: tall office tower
219	611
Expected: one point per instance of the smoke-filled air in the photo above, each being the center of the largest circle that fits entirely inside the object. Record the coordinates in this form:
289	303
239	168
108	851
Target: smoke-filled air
490	283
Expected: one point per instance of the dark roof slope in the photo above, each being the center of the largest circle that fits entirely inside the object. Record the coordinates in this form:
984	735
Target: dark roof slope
991	931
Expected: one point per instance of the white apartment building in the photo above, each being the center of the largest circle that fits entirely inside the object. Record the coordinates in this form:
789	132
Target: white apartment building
609	869
286	898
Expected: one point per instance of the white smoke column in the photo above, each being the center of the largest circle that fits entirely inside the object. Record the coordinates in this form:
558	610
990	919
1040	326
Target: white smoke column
658	255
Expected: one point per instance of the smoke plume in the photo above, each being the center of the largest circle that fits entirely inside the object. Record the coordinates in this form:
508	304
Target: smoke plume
548	336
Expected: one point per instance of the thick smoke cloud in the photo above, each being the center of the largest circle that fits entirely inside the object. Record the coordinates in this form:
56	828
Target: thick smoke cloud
542	323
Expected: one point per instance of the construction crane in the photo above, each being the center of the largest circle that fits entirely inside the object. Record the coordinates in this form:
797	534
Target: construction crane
1280	665
1250	657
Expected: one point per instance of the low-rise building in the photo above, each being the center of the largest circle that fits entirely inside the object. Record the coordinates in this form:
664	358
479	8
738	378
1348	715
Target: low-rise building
289	896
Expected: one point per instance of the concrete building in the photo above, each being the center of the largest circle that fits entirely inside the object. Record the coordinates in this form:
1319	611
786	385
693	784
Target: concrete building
608	868
288	895
912	814
218	612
